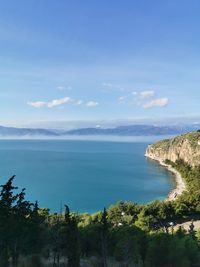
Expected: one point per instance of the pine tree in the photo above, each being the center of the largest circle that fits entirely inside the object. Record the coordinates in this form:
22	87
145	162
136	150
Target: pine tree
192	231
20	226
6	202
104	236
71	239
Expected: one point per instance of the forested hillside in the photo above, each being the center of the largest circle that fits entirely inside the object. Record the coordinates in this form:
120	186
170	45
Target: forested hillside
125	234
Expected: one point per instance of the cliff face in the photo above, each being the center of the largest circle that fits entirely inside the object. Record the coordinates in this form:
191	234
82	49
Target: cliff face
185	147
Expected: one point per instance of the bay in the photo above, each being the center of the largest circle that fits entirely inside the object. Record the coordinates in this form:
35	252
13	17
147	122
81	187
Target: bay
86	175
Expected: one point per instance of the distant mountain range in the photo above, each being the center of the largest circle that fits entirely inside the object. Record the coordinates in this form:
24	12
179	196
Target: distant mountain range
134	130
131	130
18	132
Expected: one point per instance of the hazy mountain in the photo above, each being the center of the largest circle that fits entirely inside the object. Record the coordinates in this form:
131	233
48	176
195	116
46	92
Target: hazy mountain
18	132
135	130
131	130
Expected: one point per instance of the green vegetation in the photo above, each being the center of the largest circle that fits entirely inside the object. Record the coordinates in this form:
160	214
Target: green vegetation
163	144
192	139
127	234
124	235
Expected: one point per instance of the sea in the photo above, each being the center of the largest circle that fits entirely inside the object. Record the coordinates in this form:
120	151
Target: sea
87	175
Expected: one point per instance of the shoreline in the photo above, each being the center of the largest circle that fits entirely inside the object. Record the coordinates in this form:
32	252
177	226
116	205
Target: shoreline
180	186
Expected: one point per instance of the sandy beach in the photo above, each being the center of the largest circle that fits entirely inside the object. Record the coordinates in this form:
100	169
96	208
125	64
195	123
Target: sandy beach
180	184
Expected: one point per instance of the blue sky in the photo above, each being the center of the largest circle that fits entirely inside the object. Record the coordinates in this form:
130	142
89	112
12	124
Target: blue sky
99	62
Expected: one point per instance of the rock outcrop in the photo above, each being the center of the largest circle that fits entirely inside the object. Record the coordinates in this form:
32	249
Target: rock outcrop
185	147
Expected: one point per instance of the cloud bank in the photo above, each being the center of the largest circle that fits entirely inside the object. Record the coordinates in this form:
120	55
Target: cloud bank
159	102
92	104
60	102
146	99
51	104
146	94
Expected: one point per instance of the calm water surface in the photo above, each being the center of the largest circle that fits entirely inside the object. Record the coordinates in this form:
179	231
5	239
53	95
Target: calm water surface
86	175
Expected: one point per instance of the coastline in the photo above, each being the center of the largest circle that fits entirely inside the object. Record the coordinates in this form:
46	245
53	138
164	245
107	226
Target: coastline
180	184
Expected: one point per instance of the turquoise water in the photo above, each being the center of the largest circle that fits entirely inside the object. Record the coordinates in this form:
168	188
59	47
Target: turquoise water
86	175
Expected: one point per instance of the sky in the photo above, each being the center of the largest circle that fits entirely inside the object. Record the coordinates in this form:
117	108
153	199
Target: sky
99	62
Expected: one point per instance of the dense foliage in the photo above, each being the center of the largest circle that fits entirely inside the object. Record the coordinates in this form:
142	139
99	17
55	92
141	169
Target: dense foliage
127	234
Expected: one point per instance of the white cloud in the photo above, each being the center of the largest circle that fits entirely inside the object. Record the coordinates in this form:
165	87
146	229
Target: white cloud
146	94
146	99
37	104
79	102
159	102
111	86
51	104
122	98
134	93
63	88
59	102
92	104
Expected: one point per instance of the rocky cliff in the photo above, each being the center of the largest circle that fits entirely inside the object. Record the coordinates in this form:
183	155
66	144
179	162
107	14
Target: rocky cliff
185	147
